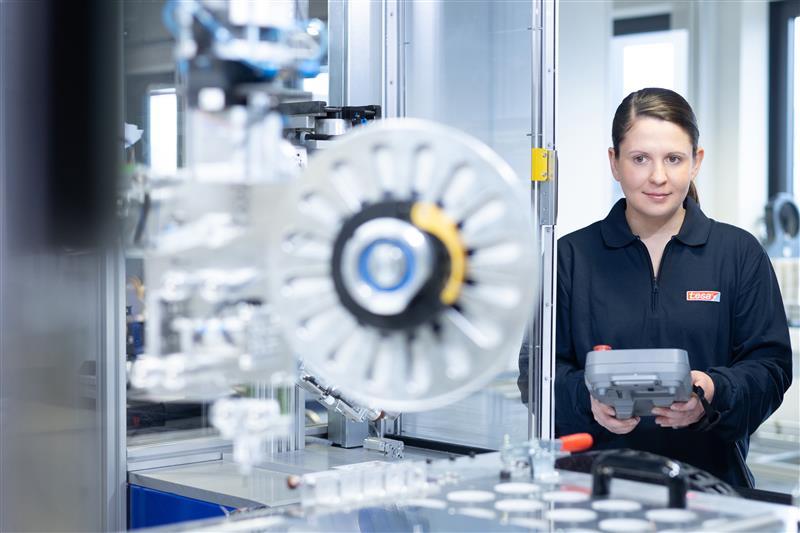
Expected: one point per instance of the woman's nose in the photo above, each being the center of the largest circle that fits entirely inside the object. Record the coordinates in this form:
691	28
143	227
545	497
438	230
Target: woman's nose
659	174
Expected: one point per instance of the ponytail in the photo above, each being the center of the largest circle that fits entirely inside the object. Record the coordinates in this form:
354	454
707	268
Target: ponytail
693	192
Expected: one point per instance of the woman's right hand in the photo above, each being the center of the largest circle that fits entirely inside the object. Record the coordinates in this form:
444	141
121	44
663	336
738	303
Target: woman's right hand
605	416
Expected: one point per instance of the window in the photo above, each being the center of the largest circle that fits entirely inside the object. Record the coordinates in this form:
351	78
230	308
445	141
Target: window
784	94
163	130
653	59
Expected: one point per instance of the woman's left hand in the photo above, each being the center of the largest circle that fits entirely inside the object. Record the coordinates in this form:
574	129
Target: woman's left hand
682	414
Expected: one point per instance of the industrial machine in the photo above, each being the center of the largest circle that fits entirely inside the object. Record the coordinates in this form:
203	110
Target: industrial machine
396	267
497	492
378	266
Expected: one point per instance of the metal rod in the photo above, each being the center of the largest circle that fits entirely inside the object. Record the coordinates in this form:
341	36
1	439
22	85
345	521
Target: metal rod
541	353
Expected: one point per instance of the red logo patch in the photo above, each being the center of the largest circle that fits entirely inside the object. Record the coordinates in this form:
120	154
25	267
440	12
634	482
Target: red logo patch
702	296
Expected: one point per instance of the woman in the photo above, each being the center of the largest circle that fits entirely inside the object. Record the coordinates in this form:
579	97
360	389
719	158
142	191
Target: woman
657	273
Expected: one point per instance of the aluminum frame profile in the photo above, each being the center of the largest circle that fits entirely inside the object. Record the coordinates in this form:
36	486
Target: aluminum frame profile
544	201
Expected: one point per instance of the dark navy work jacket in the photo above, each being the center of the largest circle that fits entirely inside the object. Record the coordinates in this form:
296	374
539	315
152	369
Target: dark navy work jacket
607	294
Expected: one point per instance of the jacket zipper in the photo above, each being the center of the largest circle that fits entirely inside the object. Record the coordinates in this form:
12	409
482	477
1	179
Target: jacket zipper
653	278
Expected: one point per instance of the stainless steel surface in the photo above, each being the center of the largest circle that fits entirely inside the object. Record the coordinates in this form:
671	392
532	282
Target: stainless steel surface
60	314
222	482
393	58
337	52
187	458
483	419
299	122
345	432
316	430
331	126
355	54
391	448
775	463
541	364
111	387
59	444
219	482
467	495
297	440
479	333
185	447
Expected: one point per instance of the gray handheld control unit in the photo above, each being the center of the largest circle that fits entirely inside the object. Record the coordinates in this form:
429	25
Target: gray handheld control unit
635	381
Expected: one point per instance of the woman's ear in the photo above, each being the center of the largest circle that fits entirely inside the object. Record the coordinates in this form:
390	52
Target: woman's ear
698	160
612	160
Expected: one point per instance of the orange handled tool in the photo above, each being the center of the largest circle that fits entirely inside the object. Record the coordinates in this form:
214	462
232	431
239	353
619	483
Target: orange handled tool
577	442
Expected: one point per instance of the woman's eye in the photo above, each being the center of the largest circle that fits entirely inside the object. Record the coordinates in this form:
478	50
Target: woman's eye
674	159
638	159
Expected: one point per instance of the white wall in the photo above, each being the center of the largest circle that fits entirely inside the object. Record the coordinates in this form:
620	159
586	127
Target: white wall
731	97
728	53
583	129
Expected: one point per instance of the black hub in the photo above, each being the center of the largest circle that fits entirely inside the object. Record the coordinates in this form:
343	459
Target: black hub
426	305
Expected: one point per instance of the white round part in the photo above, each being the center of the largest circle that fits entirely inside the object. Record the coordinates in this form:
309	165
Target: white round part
565	496
714	523
530	523
625	525
345	296
617	506
516	488
478	512
470	496
572	516
671	516
519	506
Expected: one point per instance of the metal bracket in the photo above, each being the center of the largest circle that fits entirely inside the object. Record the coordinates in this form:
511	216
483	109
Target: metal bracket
543	164
388	447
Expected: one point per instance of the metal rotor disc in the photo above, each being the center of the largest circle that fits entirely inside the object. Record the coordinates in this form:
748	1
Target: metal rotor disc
406	272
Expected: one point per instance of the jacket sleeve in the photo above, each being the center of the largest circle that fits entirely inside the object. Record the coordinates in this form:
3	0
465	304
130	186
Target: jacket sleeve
573	412
751	387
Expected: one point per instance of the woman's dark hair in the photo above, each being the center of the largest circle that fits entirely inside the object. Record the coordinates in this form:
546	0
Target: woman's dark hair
657	103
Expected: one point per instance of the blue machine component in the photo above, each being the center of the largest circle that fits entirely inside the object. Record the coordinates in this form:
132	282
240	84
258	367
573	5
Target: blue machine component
307	68
150	508
136	331
366	272
134	334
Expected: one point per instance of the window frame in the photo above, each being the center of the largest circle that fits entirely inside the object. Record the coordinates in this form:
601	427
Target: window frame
781	90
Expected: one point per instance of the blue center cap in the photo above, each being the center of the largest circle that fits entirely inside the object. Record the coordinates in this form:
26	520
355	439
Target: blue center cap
386	264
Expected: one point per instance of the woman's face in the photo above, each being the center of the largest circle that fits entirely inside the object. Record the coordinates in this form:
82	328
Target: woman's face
655	167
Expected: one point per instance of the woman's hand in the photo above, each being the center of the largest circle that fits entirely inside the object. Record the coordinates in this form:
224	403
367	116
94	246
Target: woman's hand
605	416
682	414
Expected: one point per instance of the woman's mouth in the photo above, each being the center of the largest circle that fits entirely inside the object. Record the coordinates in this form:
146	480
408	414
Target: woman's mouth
657	196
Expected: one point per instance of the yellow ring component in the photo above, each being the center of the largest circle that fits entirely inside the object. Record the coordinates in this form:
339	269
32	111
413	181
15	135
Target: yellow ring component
430	218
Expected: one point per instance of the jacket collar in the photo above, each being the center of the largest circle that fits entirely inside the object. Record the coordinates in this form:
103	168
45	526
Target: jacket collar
694	231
